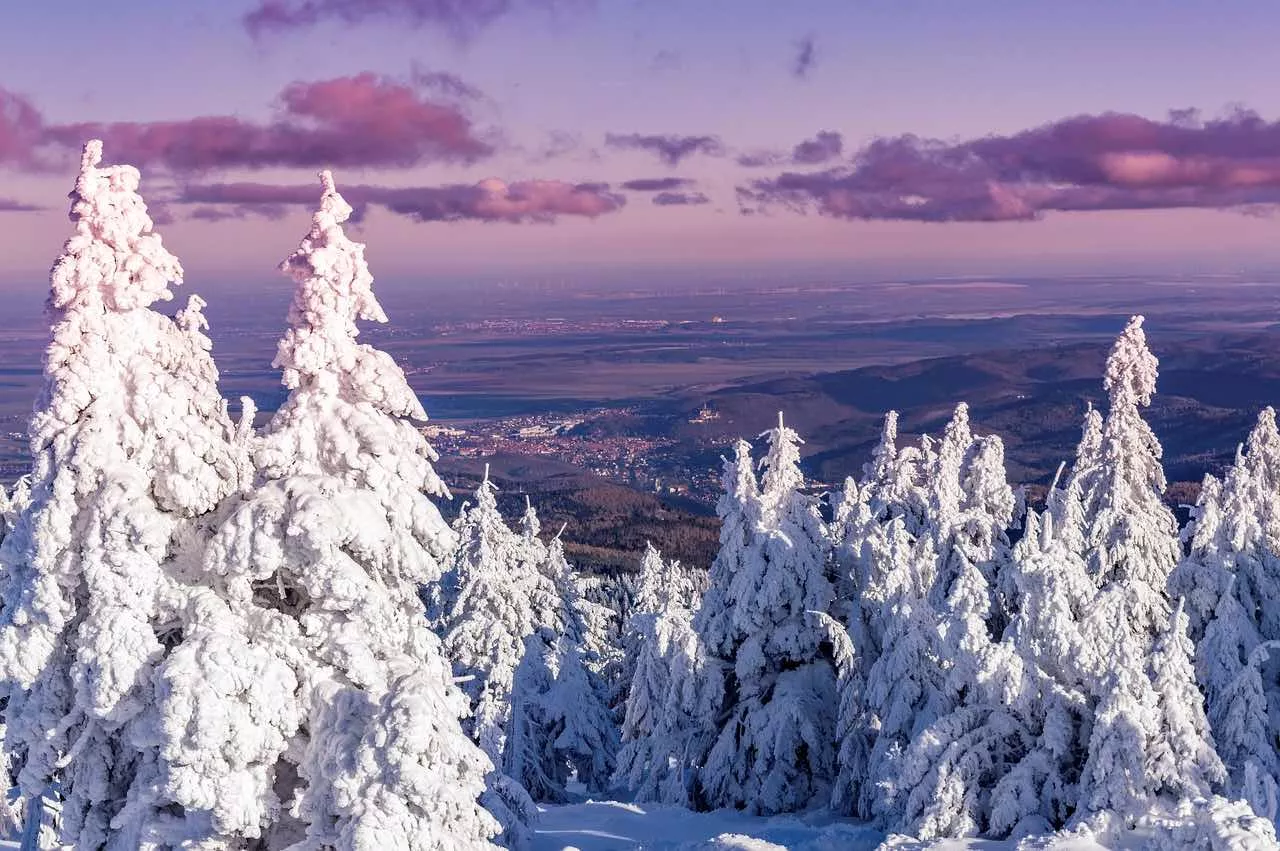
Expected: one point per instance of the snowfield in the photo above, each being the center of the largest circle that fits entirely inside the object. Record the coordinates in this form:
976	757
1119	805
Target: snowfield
601	825
609	825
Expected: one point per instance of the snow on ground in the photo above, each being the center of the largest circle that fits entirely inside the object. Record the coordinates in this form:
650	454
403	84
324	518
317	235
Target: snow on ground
609	825
606	825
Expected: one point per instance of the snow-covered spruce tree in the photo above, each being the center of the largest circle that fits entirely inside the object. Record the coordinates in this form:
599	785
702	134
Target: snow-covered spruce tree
665	705
1231	660
582	728
971	508
774	751
515	632
871	551
1066	504
529	757
1144	710
490	615
885	541
665	586
1040	657
739	511
309	704
560	726
8	514
1230	584
942	782
894	478
133	447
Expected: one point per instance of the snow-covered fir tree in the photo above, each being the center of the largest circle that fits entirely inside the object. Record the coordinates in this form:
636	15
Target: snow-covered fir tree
583	729
1230	584
11	504
774	751
336	722
1132	547
529	756
666	704
939	786
498	597
516	630
739	511
133	449
501	598
665	587
1039	665
560	727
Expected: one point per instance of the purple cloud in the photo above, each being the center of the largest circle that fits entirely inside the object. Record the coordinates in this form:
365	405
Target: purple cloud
445	84
489	200
657	184
680	199
9	205
827	145
806	58
359	121
460	18
671	149
824	147
1111	161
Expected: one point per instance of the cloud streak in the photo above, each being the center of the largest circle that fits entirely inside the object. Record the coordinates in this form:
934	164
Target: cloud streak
10	205
670	149
680	199
1111	161
492	200
658	184
460	18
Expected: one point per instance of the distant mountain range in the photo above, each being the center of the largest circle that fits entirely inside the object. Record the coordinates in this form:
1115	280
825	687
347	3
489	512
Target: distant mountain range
1210	391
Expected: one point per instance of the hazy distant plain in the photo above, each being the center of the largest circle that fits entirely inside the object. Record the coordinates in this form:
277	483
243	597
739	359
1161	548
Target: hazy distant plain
477	353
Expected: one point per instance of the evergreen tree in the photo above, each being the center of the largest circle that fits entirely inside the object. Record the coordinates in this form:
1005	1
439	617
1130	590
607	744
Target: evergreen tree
559	725
133	448
7	513
319	571
1183	758
1132	548
491	614
1230	584
941	784
584	730
1047	684
665	708
774	751
739	511
530	757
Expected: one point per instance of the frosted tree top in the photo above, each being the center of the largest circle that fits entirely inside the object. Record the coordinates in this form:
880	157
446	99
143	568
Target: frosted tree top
114	259
1131	367
335	288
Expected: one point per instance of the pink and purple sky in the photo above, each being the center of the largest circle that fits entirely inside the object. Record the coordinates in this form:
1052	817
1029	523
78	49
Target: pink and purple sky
521	137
